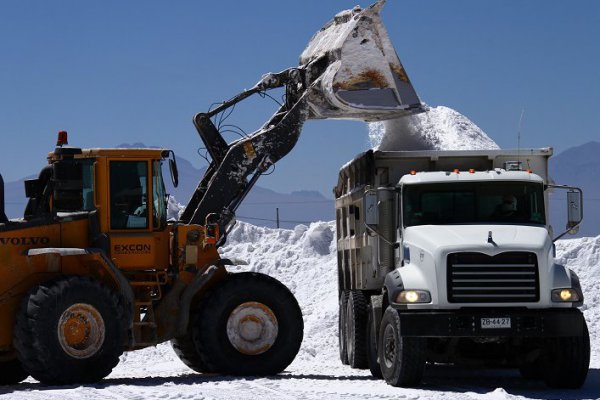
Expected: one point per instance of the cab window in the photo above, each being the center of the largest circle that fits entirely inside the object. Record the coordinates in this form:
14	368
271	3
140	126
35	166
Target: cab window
128	195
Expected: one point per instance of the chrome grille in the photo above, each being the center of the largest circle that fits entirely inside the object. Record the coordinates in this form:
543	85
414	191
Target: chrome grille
506	277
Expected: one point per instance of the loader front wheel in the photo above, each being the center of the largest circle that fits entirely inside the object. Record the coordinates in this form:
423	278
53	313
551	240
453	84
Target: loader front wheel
251	325
11	371
189	347
69	331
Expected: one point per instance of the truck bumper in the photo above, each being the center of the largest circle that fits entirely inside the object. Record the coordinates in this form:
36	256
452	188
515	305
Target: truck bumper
468	323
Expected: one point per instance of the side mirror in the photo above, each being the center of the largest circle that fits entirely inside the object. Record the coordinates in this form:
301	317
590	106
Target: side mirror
574	211
173	170
370	207
574	208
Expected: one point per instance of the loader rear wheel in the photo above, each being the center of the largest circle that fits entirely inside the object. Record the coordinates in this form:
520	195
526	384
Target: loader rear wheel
402	359
69	331
342	334
356	329
251	325
11	371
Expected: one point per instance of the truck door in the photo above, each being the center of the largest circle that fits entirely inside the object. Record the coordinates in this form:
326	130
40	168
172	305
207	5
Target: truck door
138	236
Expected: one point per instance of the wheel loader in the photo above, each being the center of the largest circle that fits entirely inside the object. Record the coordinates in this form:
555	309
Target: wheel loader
94	268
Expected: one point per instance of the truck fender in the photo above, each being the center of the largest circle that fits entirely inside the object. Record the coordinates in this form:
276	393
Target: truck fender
392	286
575	284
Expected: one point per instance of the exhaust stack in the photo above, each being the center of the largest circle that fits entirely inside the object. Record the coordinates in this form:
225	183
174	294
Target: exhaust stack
355	72
3	218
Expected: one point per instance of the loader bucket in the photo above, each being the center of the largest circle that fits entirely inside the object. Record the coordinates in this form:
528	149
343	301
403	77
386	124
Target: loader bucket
355	72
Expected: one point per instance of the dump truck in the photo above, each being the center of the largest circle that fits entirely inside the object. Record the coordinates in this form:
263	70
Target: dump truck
448	257
94	268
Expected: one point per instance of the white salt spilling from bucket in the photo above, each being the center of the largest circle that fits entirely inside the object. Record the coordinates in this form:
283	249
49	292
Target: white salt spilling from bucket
440	128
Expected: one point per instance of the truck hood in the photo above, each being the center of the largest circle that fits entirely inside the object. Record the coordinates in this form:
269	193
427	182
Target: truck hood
437	238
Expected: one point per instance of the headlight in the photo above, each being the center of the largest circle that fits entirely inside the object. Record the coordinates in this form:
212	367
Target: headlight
413	296
565	295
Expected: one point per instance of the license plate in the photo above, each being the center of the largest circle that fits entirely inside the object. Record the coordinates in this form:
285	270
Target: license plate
495	323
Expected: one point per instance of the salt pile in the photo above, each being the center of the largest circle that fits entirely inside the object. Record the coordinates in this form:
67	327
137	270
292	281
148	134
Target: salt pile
440	128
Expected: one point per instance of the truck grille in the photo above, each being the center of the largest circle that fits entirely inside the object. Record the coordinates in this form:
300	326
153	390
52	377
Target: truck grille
506	277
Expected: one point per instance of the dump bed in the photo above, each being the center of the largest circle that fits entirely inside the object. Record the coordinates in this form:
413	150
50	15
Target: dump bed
385	168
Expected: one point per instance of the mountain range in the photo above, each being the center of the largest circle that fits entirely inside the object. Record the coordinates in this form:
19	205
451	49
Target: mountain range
577	166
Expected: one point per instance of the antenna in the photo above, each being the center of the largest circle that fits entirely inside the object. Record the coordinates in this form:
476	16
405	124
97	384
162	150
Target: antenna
519	134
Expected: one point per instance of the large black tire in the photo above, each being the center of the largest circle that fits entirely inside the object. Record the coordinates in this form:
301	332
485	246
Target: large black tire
11	371
251	325
532	370
356	329
189	349
342	334
70	330
402	359
567	361
372	346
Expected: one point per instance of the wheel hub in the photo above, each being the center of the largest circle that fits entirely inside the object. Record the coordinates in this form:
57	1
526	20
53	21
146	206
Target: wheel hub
81	330
252	328
389	349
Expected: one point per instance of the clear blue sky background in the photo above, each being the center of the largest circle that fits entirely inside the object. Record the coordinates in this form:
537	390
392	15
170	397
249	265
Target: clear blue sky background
114	72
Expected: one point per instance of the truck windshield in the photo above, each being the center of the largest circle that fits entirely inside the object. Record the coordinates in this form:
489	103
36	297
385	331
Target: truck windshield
473	202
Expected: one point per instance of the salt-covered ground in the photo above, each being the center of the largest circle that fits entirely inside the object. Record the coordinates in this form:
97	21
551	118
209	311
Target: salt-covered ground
304	259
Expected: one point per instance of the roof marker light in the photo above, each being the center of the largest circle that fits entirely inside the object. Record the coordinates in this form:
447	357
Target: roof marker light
413	172
471	170
456	171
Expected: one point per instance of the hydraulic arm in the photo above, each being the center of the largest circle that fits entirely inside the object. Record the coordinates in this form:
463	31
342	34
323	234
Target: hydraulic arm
235	167
349	70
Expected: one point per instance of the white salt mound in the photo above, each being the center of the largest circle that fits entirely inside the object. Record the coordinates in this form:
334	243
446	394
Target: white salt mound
440	128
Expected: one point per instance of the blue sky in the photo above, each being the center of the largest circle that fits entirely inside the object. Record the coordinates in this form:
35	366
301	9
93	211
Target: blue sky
116	72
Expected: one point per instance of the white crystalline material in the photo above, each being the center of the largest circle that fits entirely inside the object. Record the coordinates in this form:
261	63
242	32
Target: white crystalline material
440	128
174	209
297	258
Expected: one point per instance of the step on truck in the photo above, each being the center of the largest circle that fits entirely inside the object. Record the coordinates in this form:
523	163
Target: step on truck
448	257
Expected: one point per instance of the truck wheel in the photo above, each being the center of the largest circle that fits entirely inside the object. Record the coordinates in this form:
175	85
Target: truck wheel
342	334
251	325
189	349
567	361
69	331
11	371
372	346
402	359
356	329
531	370
533	367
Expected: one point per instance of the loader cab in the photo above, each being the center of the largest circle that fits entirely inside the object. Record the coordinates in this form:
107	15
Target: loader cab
120	192
131	203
